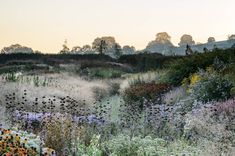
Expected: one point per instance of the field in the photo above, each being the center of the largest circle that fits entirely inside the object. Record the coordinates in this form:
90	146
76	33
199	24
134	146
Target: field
137	105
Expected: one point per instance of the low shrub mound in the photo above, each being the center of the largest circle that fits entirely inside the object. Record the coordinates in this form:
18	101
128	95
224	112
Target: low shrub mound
148	91
123	145
212	87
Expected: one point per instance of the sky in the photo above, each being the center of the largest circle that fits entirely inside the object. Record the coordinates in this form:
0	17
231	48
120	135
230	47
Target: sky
45	24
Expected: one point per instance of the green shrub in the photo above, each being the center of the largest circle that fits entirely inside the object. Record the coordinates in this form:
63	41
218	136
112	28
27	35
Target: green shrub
11	77
212	87
123	145
184	67
91	150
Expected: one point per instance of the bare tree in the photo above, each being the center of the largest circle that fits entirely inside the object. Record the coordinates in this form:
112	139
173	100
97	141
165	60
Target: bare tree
65	48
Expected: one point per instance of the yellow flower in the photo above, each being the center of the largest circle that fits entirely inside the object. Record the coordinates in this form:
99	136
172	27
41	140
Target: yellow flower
194	79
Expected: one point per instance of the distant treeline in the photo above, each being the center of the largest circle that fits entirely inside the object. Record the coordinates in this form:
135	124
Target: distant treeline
50	59
138	62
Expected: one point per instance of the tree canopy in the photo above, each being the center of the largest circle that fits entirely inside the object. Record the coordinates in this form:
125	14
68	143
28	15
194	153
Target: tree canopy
186	40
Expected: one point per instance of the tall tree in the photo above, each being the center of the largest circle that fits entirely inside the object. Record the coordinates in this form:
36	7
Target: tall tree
211	40
162	44
86	48
186	40
99	46
163	37
104	45
117	50
76	49
65	48
126	50
231	37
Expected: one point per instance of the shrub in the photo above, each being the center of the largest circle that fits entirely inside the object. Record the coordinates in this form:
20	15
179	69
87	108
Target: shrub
149	91
226	108
92	150
185	66
212	86
104	73
211	126
123	145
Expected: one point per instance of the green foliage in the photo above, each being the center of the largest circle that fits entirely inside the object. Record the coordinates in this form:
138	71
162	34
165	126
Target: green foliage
11	77
92	150
124	130
184	67
123	145
212	86
21	78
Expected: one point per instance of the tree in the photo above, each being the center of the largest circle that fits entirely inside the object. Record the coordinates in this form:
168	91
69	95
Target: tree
162	44
65	48
127	50
231	37
76	49
86	48
211	40
186	40
163	38
117	50
99	45
16	48
104	45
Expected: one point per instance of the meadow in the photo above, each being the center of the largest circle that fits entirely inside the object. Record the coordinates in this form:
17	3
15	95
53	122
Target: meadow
137	105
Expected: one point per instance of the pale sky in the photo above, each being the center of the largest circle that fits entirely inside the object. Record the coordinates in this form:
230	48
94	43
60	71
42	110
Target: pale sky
45	24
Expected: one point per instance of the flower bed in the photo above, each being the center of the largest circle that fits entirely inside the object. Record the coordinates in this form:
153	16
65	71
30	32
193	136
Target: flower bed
14	142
